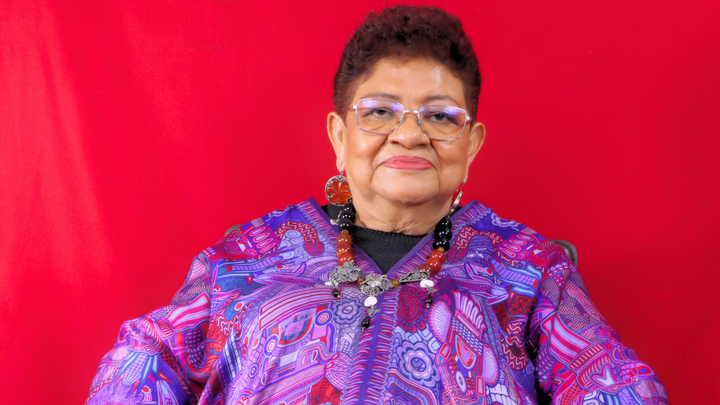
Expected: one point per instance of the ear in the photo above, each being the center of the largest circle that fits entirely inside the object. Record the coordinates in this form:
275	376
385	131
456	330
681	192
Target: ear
336	132
476	138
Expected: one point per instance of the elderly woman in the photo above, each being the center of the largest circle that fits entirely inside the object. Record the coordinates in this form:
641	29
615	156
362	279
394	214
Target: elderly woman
393	293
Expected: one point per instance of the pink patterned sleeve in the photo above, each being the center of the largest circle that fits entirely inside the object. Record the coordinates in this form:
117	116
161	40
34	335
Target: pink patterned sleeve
159	357
580	359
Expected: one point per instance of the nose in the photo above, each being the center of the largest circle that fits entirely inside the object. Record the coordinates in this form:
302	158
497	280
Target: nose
409	133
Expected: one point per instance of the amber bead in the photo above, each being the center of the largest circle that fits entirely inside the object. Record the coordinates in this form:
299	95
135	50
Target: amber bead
396	282
434	264
345	257
344	238
433	270
425	267
344	245
438	254
361	280
344	248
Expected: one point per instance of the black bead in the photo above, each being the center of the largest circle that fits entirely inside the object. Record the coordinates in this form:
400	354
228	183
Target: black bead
345	223
439	229
428	300
366	322
444	223
445	244
337	292
445	233
347	214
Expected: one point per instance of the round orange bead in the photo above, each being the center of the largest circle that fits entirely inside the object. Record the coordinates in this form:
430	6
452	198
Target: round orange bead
438	254
424	267
345	257
344	248
347	245
434	263
344	238
396	282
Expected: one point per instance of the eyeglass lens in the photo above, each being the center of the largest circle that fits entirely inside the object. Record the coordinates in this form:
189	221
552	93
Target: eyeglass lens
436	121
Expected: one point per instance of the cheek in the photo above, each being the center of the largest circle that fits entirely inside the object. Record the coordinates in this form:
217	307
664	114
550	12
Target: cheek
362	151
451	156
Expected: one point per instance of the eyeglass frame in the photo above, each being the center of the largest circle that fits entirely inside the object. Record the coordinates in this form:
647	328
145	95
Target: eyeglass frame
402	118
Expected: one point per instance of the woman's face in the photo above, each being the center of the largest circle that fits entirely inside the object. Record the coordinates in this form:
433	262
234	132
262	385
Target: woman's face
405	167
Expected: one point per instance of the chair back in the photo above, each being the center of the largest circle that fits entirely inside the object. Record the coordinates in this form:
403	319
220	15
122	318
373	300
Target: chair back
569	249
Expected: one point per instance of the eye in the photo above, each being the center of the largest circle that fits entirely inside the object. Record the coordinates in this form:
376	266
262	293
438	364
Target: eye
442	116
381	112
378	113
438	117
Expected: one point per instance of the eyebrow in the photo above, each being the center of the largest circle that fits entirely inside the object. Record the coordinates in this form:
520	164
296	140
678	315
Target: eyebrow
442	97
393	97
386	96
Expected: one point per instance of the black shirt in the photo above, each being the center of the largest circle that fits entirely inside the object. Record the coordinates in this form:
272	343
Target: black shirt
384	248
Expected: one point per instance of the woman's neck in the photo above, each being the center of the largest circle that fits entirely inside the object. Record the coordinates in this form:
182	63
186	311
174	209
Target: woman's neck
383	215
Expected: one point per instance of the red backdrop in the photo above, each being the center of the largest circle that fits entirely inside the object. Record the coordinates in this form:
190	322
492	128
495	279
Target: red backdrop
133	134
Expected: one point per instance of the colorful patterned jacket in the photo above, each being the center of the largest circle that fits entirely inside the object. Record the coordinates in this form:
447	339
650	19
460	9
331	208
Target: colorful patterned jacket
254	323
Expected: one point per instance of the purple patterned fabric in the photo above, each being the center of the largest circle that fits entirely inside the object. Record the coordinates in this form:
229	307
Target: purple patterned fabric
254	324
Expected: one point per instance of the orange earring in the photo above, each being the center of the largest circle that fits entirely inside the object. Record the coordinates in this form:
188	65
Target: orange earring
337	190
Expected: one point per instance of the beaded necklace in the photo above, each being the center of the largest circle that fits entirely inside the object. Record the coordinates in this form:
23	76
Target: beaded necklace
373	285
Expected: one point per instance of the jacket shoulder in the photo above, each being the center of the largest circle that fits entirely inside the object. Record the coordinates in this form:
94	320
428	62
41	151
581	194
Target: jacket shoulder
513	240
263	236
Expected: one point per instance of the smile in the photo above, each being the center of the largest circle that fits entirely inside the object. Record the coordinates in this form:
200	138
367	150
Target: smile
407	163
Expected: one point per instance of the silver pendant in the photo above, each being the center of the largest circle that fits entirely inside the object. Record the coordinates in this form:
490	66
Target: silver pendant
413	276
347	273
375	285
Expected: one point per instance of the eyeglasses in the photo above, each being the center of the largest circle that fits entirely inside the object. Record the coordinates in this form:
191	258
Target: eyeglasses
440	122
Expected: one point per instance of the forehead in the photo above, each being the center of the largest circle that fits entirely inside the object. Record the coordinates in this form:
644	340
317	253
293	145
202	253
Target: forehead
411	82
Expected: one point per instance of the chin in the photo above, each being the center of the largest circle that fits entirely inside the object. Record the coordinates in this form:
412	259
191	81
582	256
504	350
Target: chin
408	191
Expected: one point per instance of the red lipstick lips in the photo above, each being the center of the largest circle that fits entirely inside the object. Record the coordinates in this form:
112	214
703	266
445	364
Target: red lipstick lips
407	163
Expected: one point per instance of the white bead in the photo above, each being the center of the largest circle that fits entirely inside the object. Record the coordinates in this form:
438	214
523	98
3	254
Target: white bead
370	301
427	283
329	283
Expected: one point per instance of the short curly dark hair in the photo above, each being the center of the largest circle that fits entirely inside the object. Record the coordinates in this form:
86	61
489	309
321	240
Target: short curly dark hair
407	31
